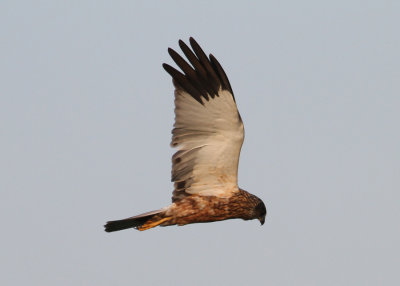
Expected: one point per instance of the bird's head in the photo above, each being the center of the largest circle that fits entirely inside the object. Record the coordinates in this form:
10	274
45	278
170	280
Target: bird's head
260	212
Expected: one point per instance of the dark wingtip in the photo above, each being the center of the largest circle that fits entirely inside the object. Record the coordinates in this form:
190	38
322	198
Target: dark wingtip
203	78
165	66
192	40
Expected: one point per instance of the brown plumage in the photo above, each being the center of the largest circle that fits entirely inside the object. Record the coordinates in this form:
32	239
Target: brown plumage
208	133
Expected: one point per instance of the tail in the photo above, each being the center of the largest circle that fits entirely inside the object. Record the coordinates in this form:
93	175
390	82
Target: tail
140	222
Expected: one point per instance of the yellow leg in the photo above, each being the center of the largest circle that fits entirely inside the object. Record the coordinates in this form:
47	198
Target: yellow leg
153	223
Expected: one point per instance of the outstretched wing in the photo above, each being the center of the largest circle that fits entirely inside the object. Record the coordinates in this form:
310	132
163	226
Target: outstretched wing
208	131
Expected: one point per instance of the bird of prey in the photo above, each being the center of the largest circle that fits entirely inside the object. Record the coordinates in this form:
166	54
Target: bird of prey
208	134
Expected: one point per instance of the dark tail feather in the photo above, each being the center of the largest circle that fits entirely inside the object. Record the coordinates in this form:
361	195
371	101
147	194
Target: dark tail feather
135	221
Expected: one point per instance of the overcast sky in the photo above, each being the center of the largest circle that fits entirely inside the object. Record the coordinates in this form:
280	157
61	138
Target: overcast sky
86	112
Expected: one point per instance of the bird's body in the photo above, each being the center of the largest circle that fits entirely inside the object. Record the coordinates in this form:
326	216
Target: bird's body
208	133
196	209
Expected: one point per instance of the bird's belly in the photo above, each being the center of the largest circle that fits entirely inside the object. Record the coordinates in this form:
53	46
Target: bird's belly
200	209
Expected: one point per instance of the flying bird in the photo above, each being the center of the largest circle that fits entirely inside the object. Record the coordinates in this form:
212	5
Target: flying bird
208	134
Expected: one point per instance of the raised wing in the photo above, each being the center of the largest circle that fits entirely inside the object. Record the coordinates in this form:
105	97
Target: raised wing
208	131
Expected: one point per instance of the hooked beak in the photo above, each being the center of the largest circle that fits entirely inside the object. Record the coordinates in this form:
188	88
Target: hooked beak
262	220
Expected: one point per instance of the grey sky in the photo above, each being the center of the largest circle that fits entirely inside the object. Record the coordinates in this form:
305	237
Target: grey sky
85	117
